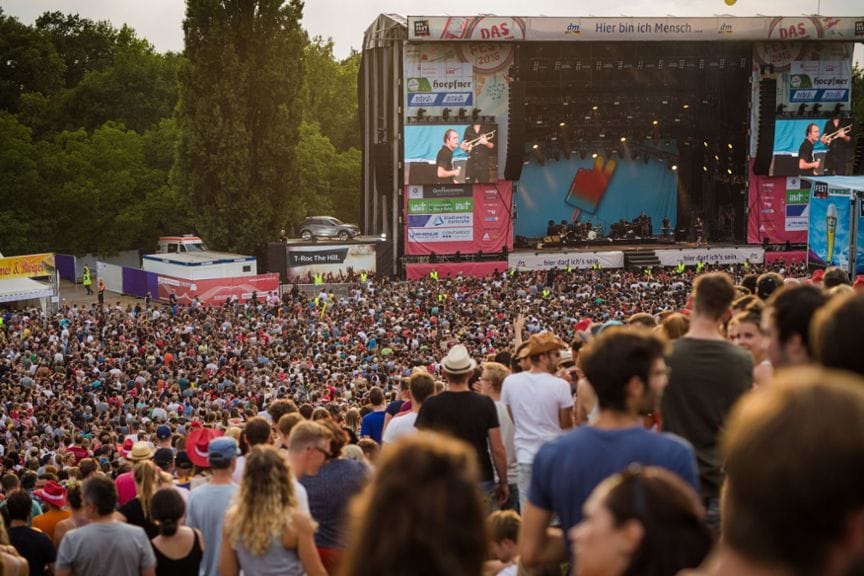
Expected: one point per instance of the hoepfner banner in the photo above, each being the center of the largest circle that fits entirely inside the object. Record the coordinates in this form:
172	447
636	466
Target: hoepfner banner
633	29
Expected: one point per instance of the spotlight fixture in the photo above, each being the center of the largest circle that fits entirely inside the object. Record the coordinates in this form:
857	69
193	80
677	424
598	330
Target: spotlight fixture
802	108
623	138
781	108
421	113
445	114
704	168
730	146
594	155
837	108
594	107
463	114
674	167
816	108
655	122
475	114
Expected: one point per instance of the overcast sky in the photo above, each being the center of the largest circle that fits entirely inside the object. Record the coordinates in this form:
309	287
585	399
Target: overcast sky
160	21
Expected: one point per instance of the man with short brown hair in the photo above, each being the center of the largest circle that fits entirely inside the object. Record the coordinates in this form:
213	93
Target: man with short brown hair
708	375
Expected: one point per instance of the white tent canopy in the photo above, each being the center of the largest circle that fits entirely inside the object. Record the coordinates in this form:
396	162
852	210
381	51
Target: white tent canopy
16	289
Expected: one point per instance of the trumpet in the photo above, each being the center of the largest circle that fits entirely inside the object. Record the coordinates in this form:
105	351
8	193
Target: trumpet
837	133
473	142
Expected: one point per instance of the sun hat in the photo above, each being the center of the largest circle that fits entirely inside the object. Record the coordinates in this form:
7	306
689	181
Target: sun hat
198	443
140	451
52	493
544	342
458	361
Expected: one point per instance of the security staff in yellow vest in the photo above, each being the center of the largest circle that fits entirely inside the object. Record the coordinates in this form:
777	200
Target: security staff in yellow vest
88	280
363	277
680	268
433	275
319	279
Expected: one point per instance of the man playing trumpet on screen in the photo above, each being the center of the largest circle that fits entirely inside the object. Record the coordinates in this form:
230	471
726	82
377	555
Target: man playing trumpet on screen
477	142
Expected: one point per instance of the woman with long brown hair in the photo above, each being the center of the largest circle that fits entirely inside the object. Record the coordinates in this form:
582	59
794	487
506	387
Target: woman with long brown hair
265	532
425	497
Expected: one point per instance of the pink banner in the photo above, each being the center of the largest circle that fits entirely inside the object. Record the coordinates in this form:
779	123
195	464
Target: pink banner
452	269
778	209
216	290
798	257
450	218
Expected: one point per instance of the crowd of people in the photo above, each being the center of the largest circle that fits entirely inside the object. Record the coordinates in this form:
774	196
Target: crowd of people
617	421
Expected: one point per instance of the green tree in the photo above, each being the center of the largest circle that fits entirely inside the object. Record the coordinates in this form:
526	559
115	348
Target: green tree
21	220
138	89
83	45
28	63
330	93
239	118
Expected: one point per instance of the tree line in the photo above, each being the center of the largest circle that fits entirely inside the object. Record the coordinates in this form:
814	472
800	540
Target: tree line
106	144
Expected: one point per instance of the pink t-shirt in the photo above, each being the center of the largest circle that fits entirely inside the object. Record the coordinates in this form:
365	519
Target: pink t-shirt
126	489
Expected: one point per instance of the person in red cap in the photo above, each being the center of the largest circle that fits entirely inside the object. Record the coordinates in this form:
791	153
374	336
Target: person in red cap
53	498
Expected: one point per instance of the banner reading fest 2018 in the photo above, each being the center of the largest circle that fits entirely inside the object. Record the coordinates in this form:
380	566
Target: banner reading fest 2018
450	218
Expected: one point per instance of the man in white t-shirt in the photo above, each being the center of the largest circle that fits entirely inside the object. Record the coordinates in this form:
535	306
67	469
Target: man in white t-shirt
539	403
421	385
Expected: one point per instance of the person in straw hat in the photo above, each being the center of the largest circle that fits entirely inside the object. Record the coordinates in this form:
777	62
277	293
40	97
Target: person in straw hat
125	482
469	416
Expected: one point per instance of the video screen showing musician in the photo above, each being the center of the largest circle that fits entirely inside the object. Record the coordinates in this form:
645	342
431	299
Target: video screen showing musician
478	143
446	173
837	137
807	164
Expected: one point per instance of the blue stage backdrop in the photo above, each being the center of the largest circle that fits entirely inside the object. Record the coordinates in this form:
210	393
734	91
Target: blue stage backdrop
602	191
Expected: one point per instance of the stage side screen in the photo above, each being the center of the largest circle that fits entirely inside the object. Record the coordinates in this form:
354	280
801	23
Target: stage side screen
791	141
446	219
597	191
451	154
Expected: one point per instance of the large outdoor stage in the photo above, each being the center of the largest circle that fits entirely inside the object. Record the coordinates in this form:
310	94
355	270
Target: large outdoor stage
481	131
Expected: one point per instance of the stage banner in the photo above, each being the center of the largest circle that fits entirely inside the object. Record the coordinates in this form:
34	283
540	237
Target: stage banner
820	81
778	209
453	269
446	219
523	261
692	256
467	86
830	227
215	291
451	153
304	262
632	29
30	266
600	191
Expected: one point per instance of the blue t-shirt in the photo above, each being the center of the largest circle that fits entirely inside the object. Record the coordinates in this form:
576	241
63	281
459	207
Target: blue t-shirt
567	469
372	425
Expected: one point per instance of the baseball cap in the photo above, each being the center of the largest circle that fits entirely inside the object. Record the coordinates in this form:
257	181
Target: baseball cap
163	457
182	460
163	432
222	449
